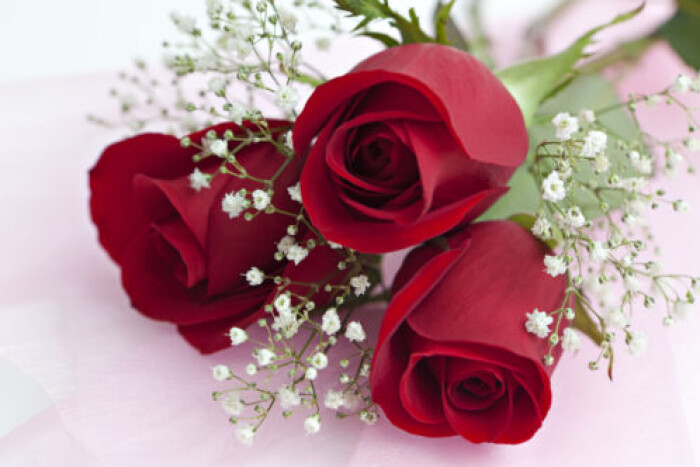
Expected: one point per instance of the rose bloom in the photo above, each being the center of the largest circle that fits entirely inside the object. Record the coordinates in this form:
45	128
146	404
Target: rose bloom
410	143
182	259
453	356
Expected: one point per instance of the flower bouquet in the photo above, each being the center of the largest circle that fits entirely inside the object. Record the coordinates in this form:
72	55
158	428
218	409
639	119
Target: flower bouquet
264	215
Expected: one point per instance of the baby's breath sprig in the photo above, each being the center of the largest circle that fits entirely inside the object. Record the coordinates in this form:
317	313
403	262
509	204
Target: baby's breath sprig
300	335
247	51
595	190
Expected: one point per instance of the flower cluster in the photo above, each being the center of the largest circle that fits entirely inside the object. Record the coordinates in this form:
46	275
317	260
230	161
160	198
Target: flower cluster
596	187
264	229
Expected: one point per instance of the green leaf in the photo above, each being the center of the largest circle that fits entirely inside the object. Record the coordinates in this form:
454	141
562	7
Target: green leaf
682	31
585	92
370	10
534	81
445	28
585	323
385	39
522	198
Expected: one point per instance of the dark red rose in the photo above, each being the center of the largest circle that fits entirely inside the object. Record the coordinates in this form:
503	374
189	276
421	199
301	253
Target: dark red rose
182	258
412	142
453	356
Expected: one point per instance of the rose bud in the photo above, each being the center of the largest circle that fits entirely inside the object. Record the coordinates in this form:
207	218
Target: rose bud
453	356
412	142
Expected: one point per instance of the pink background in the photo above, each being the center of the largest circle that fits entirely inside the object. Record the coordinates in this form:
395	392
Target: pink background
85	381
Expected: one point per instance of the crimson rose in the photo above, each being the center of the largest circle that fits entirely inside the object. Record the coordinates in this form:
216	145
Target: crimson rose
413	141
182	258
453	355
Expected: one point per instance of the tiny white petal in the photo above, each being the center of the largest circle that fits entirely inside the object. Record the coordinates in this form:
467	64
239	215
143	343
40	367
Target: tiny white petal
199	180
237	336
221	372
360	284
355	332
312	424
330	323
254	276
538	323
570	341
261	200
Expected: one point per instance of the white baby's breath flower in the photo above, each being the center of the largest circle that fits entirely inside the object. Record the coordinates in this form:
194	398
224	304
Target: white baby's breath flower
288	397
599	252
285	244
312	424
297	254
286	322
615	318
221	372
631	283
218	147
311	373
283	303
355	332
232	404
565	125
682	84
538	323
264	356
682	309
333	400
261	199
330	323
652	100
237	112
360	284
554	265
542	228
594	143
553	188
286	97
199	180
681	206
601	163
251	369
234	204
692	144
254	276
287	18
245	434
587	116
575	218
637	343
295	192
319	361
237	335
335	246
570	340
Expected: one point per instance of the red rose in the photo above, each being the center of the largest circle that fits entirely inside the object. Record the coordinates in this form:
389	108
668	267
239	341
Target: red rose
182	258
453	356
413	141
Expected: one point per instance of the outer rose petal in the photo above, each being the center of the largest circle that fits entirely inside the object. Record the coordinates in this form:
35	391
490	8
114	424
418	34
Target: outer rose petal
111	179
481	114
482	286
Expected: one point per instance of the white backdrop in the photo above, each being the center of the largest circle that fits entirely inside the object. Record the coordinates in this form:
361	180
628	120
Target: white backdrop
45	38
